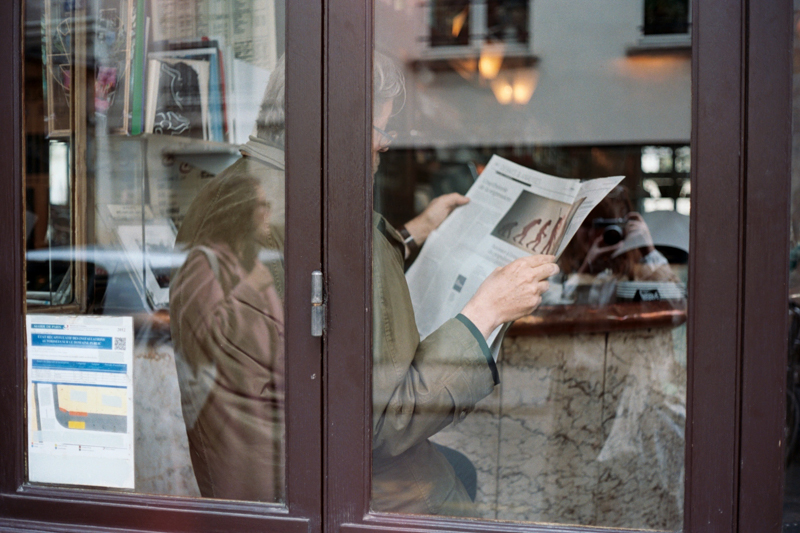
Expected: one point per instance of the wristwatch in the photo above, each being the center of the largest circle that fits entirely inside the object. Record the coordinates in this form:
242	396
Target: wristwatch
408	240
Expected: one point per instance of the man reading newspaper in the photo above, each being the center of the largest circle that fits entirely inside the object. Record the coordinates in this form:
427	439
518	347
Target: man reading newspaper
420	387
513	212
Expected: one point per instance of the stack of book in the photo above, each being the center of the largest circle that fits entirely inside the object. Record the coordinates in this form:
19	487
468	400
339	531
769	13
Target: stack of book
171	67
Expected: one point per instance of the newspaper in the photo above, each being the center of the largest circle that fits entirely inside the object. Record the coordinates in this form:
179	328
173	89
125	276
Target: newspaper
513	212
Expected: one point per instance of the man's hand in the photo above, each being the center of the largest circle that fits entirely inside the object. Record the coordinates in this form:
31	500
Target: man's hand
510	292
440	207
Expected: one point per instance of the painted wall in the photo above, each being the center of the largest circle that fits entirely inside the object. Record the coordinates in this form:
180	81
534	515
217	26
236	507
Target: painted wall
589	91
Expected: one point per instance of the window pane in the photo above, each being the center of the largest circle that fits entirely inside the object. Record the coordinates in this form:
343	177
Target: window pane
154	196
507	21
666	17
449	22
575	414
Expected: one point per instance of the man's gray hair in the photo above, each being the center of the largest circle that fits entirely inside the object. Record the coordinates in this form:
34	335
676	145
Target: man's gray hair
387	81
387	84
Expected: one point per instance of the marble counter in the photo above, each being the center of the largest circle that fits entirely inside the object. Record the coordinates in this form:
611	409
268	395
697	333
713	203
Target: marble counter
161	448
583	429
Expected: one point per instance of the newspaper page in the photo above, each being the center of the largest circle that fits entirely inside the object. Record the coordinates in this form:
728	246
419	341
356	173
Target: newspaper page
80	400
513	212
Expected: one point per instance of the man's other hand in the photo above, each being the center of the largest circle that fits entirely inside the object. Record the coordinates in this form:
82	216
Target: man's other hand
440	207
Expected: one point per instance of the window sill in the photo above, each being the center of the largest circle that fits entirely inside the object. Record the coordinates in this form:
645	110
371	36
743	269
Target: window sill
680	44
453	59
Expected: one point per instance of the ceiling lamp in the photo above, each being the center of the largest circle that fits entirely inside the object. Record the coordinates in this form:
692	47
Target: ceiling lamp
503	91
490	62
515	86
525	81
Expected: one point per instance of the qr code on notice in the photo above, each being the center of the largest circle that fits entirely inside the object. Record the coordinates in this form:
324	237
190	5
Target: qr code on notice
120	343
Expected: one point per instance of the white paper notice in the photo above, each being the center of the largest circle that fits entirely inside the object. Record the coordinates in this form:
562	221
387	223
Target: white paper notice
80	400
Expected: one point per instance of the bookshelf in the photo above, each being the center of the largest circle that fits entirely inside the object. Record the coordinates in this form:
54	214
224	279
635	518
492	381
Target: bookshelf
149	99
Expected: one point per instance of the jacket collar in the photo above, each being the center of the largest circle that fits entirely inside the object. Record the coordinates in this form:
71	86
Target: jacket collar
383	226
263	151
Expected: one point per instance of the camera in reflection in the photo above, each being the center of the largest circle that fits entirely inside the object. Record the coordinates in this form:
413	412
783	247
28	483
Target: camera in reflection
613	229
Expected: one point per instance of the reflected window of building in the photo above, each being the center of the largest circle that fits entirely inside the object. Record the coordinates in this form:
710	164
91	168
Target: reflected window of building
665	179
507	21
472	23
450	23
666	17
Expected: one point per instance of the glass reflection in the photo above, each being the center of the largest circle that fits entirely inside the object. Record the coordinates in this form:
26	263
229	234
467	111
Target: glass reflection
585	421
155	192
227	330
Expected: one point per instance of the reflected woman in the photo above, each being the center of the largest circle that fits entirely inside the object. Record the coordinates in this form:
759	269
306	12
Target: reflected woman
228	332
227	318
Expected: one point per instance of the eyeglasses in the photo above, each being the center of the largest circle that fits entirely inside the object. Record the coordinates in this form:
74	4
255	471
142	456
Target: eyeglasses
386	138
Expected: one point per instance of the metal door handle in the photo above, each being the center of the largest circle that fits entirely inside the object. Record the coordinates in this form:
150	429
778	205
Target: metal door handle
317	305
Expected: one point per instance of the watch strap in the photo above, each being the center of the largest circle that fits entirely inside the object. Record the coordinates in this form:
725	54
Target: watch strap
408	240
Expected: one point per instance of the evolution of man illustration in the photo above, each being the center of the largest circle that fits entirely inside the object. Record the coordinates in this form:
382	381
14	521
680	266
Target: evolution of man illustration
545	237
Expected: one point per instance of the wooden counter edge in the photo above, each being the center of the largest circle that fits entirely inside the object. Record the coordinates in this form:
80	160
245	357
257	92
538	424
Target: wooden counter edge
552	320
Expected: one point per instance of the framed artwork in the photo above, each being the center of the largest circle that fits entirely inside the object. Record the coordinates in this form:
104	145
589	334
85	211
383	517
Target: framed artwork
108	52
113	49
58	55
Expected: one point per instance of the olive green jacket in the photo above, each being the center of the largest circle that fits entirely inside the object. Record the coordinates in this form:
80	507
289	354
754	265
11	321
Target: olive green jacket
418	389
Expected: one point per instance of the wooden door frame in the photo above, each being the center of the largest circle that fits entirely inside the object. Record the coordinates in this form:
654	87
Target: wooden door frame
24	506
767	145
732	423
724	297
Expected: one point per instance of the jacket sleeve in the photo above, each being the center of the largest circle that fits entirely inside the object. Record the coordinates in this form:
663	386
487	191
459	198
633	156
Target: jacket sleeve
245	325
418	388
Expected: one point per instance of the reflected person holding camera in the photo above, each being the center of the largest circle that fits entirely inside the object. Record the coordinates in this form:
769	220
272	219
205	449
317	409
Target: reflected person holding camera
616	239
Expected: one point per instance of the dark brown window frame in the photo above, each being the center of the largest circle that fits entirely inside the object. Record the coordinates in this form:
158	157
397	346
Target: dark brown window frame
767	145
740	148
37	507
736	293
